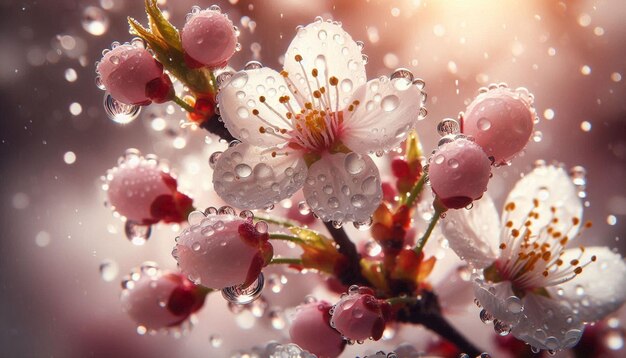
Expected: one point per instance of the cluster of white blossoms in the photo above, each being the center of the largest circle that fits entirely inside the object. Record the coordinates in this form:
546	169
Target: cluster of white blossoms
535	277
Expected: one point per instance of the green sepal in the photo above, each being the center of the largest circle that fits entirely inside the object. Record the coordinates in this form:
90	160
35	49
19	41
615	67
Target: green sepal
161	27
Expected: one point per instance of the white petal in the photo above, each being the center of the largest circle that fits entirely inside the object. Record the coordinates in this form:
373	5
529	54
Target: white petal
498	300
343	187
249	177
240	96
548	324
552	187
387	110
600	289
474	234
327	47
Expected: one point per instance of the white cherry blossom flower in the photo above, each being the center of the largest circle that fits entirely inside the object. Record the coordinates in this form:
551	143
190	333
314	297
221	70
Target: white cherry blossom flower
539	282
312	126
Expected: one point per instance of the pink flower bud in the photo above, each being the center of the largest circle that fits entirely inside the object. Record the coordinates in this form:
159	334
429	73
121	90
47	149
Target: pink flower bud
223	250
155	299
133	76
311	330
501	121
209	39
359	315
459	172
142	192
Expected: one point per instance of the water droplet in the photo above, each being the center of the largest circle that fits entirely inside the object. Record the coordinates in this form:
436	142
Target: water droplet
390	103
242	296
372	248
95	21
363	225
448	126
253	65
277	318
453	163
346	85
119	112
243	170
514	304
137	234
354	163
303	208
213	159
239	80
485	316
108	270
614	339
483	124
358	200
501	328
215	340
322	35
439	159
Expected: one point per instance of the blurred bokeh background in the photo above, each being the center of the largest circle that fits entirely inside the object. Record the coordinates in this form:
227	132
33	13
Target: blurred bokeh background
63	254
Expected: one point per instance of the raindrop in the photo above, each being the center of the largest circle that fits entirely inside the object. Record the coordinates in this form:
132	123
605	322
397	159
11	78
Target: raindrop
95	21
372	248
390	103
614	339
215	340
501	328
363	225
354	163
485	316
71	75
448	126
277	318
514	304
119	112
243	170
137	234
483	124
108	270
253	65
241	296
213	159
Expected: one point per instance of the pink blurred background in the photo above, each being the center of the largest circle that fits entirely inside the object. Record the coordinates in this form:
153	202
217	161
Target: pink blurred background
56	142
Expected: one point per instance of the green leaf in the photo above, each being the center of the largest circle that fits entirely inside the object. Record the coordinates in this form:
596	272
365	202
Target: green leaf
161	27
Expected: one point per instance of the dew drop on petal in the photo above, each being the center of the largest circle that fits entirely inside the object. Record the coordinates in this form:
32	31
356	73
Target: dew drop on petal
354	163
390	103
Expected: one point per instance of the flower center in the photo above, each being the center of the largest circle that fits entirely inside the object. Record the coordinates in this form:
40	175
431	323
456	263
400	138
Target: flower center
317	125
531	253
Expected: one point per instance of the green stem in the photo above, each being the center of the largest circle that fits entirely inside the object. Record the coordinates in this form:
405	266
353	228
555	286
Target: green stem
184	105
285	237
283	223
422	241
415	191
285	260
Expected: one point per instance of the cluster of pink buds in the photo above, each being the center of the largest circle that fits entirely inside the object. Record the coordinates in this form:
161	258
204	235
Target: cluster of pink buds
134	76
495	128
